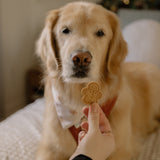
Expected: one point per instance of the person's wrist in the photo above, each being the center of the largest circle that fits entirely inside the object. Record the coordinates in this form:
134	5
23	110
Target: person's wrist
88	154
83	151
81	157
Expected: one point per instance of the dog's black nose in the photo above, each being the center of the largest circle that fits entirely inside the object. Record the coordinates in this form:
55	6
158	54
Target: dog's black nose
82	59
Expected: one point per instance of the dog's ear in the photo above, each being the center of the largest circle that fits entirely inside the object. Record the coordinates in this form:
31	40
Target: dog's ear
46	48
117	47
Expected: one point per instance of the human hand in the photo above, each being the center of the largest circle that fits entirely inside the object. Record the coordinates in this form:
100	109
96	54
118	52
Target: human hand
97	140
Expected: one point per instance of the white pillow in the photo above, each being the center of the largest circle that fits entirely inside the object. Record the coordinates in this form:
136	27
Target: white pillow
143	38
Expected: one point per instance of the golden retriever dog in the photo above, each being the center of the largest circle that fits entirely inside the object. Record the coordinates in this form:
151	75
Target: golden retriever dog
82	42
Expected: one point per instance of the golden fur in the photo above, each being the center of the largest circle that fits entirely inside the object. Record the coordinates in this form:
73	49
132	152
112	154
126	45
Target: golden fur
137	85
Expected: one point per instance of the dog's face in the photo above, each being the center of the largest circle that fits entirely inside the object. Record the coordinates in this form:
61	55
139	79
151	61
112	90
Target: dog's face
83	37
83	42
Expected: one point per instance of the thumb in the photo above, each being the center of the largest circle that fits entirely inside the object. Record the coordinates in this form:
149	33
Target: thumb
93	117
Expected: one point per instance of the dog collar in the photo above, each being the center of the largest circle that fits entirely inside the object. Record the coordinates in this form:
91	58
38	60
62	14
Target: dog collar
107	108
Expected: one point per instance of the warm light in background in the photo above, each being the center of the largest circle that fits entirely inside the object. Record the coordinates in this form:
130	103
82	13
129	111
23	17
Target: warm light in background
126	2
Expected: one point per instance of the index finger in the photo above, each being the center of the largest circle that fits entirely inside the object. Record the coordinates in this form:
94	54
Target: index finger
104	124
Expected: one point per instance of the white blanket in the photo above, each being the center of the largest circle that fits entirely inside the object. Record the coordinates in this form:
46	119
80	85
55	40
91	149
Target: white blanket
20	133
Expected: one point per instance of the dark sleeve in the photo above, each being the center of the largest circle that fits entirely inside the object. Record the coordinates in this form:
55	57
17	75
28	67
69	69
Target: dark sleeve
81	157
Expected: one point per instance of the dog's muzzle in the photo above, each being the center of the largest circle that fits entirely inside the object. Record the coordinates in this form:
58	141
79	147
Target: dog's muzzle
81	62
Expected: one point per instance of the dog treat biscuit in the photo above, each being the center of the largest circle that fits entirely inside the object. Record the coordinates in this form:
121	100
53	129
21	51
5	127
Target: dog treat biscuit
91	93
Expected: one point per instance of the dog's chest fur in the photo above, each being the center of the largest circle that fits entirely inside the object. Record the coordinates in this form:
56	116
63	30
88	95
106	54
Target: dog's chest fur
68	103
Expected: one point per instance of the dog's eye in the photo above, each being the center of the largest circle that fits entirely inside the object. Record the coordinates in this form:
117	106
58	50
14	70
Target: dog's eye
66	30
100	33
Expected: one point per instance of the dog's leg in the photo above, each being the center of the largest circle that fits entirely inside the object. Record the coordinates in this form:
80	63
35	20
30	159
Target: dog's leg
126	148
49	153
46	152
126	145
57	143
128	151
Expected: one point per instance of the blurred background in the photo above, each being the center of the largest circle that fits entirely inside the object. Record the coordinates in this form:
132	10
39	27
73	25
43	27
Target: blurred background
21	22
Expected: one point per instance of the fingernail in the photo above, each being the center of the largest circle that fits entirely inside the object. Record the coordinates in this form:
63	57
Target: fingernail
82	133
94	108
